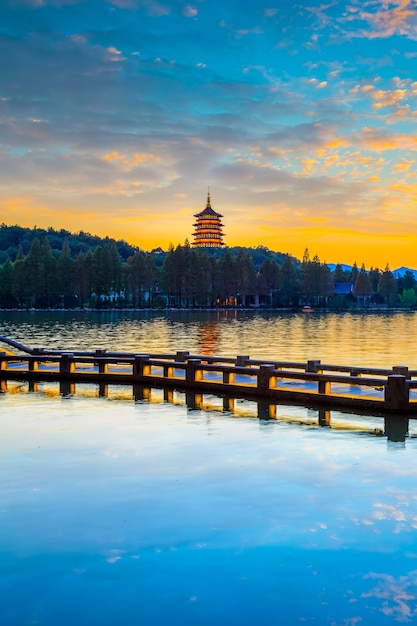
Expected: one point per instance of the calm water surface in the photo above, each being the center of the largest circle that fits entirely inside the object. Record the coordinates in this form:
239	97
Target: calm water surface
116	511
374	339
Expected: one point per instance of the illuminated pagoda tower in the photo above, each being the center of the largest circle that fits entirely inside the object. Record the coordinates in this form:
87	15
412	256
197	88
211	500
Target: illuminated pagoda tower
208	228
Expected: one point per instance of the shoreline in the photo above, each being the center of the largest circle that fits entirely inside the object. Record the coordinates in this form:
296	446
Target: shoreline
377	309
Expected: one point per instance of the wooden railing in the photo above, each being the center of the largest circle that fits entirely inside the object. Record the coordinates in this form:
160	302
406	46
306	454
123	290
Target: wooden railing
308	383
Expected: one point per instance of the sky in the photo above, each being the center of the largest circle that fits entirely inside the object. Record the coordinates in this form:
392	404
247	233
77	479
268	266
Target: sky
116	116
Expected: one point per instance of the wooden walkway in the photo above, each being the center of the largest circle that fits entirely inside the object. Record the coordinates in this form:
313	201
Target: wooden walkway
310	384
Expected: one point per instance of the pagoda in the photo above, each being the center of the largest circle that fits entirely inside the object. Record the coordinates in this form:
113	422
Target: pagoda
208	228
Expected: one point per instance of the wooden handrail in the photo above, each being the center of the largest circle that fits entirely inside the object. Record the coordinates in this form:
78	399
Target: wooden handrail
16	344
262	377
128	359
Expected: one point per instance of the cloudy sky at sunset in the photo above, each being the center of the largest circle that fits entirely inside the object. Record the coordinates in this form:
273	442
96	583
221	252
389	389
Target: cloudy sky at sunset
116	116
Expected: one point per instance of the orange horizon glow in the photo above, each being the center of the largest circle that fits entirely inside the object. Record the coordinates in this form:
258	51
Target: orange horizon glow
345	246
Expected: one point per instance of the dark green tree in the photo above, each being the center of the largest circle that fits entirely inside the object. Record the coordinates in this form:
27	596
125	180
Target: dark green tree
136	264
88	268
289	292
18	278
245	277
408	281
354	273
7	300
204	291
175	270
81	280
107	273
339	275
307	278
116	270
150	276
363	287
33	270
270	281
99	277
408	298
66	276
228	278
374	276
387	286
48	278
326	283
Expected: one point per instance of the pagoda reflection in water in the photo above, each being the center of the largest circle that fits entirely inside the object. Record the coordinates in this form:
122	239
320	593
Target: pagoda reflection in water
209	337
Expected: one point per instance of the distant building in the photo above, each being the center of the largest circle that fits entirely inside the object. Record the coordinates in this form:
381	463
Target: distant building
208	228
343	289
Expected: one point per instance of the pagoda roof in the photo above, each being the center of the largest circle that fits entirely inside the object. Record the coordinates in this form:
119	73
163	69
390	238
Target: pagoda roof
208	210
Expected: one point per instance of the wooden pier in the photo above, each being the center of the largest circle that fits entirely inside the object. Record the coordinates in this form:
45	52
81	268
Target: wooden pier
311	384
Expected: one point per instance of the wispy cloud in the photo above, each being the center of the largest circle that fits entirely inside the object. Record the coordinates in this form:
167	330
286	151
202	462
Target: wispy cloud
127	104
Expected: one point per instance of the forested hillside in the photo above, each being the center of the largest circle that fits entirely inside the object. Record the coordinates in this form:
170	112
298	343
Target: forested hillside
14	237
49	268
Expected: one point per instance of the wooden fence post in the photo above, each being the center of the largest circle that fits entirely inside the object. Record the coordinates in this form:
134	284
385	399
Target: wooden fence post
140	392
313	366
3	361
397	393
324	387
66	388
242	360
168	371
141	366
192	373
103	366
324	417
266	410
182	356
228	404
193	400
103	390
34	363
67	364
228	378
169	396
396	428
402	370
265	377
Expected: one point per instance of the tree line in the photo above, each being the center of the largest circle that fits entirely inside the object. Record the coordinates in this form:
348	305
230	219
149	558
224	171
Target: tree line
183	276
19	238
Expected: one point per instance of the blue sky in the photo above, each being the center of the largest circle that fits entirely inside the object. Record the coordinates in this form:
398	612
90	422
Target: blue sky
116	116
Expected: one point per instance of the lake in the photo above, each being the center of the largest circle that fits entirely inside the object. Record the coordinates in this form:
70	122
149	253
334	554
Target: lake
122	511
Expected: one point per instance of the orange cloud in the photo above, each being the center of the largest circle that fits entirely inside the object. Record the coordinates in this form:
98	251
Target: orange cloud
318	84
380	141
130	161
396	17
403	165
387	98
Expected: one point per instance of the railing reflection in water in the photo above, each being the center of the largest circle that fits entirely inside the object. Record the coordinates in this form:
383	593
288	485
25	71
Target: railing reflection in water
395	428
